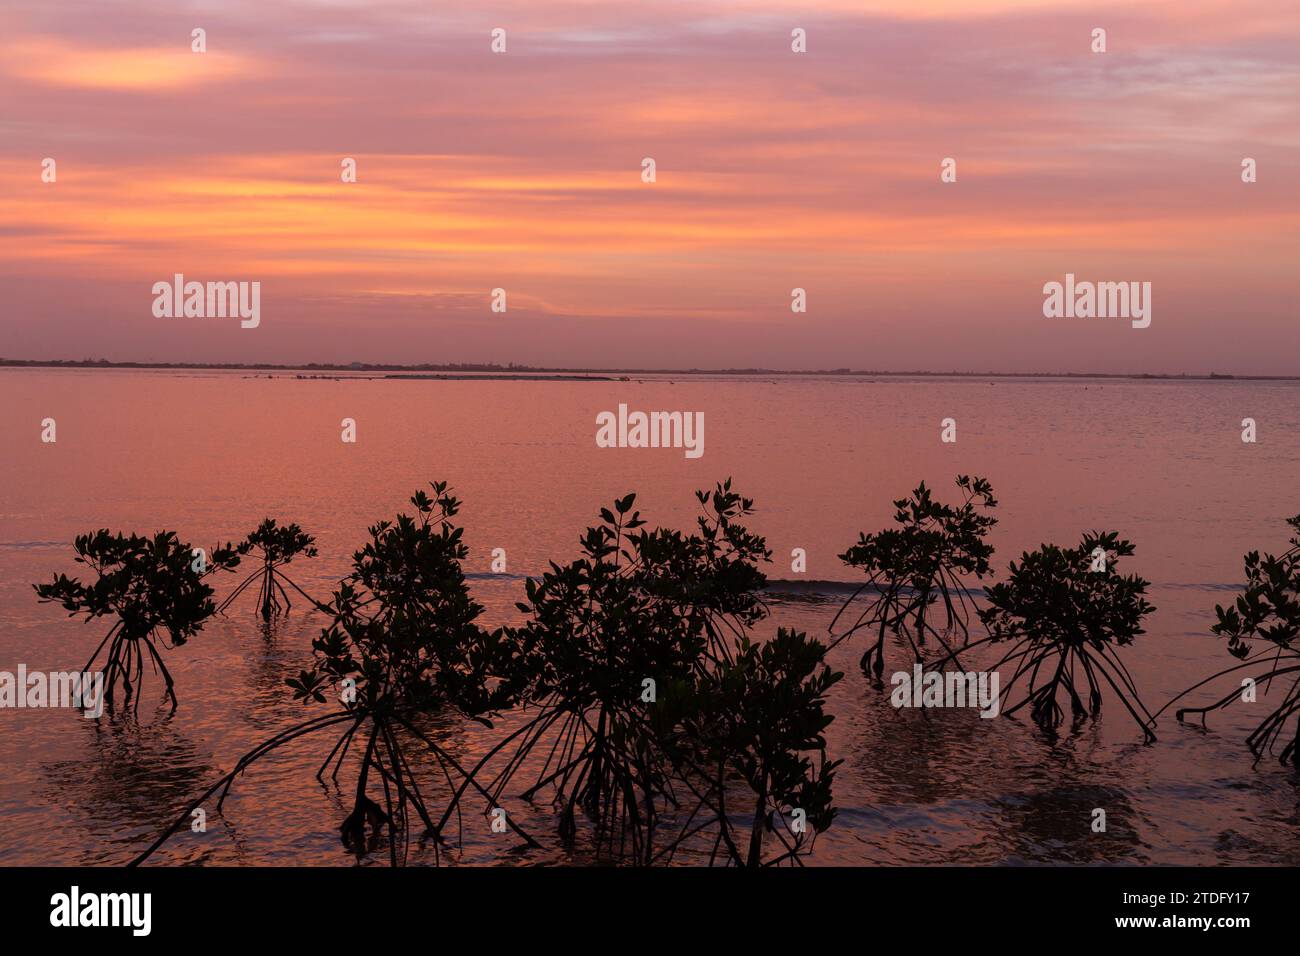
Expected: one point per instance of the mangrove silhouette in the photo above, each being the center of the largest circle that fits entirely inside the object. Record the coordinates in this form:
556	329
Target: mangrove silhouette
1268	611
655	720
153	587
1065	611
402	640
762	716
923	561
277	546
637	658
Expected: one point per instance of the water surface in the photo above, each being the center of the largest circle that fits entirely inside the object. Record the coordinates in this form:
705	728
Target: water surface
209	454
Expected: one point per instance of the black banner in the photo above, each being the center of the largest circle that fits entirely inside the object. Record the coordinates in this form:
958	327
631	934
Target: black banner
527	904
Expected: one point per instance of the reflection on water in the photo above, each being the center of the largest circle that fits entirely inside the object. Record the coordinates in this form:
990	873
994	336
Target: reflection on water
823	461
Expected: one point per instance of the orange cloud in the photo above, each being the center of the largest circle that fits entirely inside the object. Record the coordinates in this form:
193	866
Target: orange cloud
55	62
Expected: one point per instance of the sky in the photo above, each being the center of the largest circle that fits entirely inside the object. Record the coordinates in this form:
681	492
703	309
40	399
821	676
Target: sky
775	170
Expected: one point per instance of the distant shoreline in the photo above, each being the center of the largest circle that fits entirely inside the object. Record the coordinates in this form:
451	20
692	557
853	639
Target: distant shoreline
526	372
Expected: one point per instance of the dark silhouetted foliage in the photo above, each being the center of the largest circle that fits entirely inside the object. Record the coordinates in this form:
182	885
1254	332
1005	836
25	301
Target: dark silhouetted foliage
638	605
760	717
403	640
1268	611
277	547
921	563
1065	611
153	587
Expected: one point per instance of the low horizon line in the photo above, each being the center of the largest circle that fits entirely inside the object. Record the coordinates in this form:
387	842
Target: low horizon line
517	369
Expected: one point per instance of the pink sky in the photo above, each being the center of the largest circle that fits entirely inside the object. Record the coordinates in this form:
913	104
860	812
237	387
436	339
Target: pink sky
775	170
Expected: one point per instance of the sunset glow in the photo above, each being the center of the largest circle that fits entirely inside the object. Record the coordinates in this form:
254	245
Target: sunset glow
522	171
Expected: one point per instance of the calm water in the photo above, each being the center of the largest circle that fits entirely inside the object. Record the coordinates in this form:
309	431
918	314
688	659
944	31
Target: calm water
210	454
